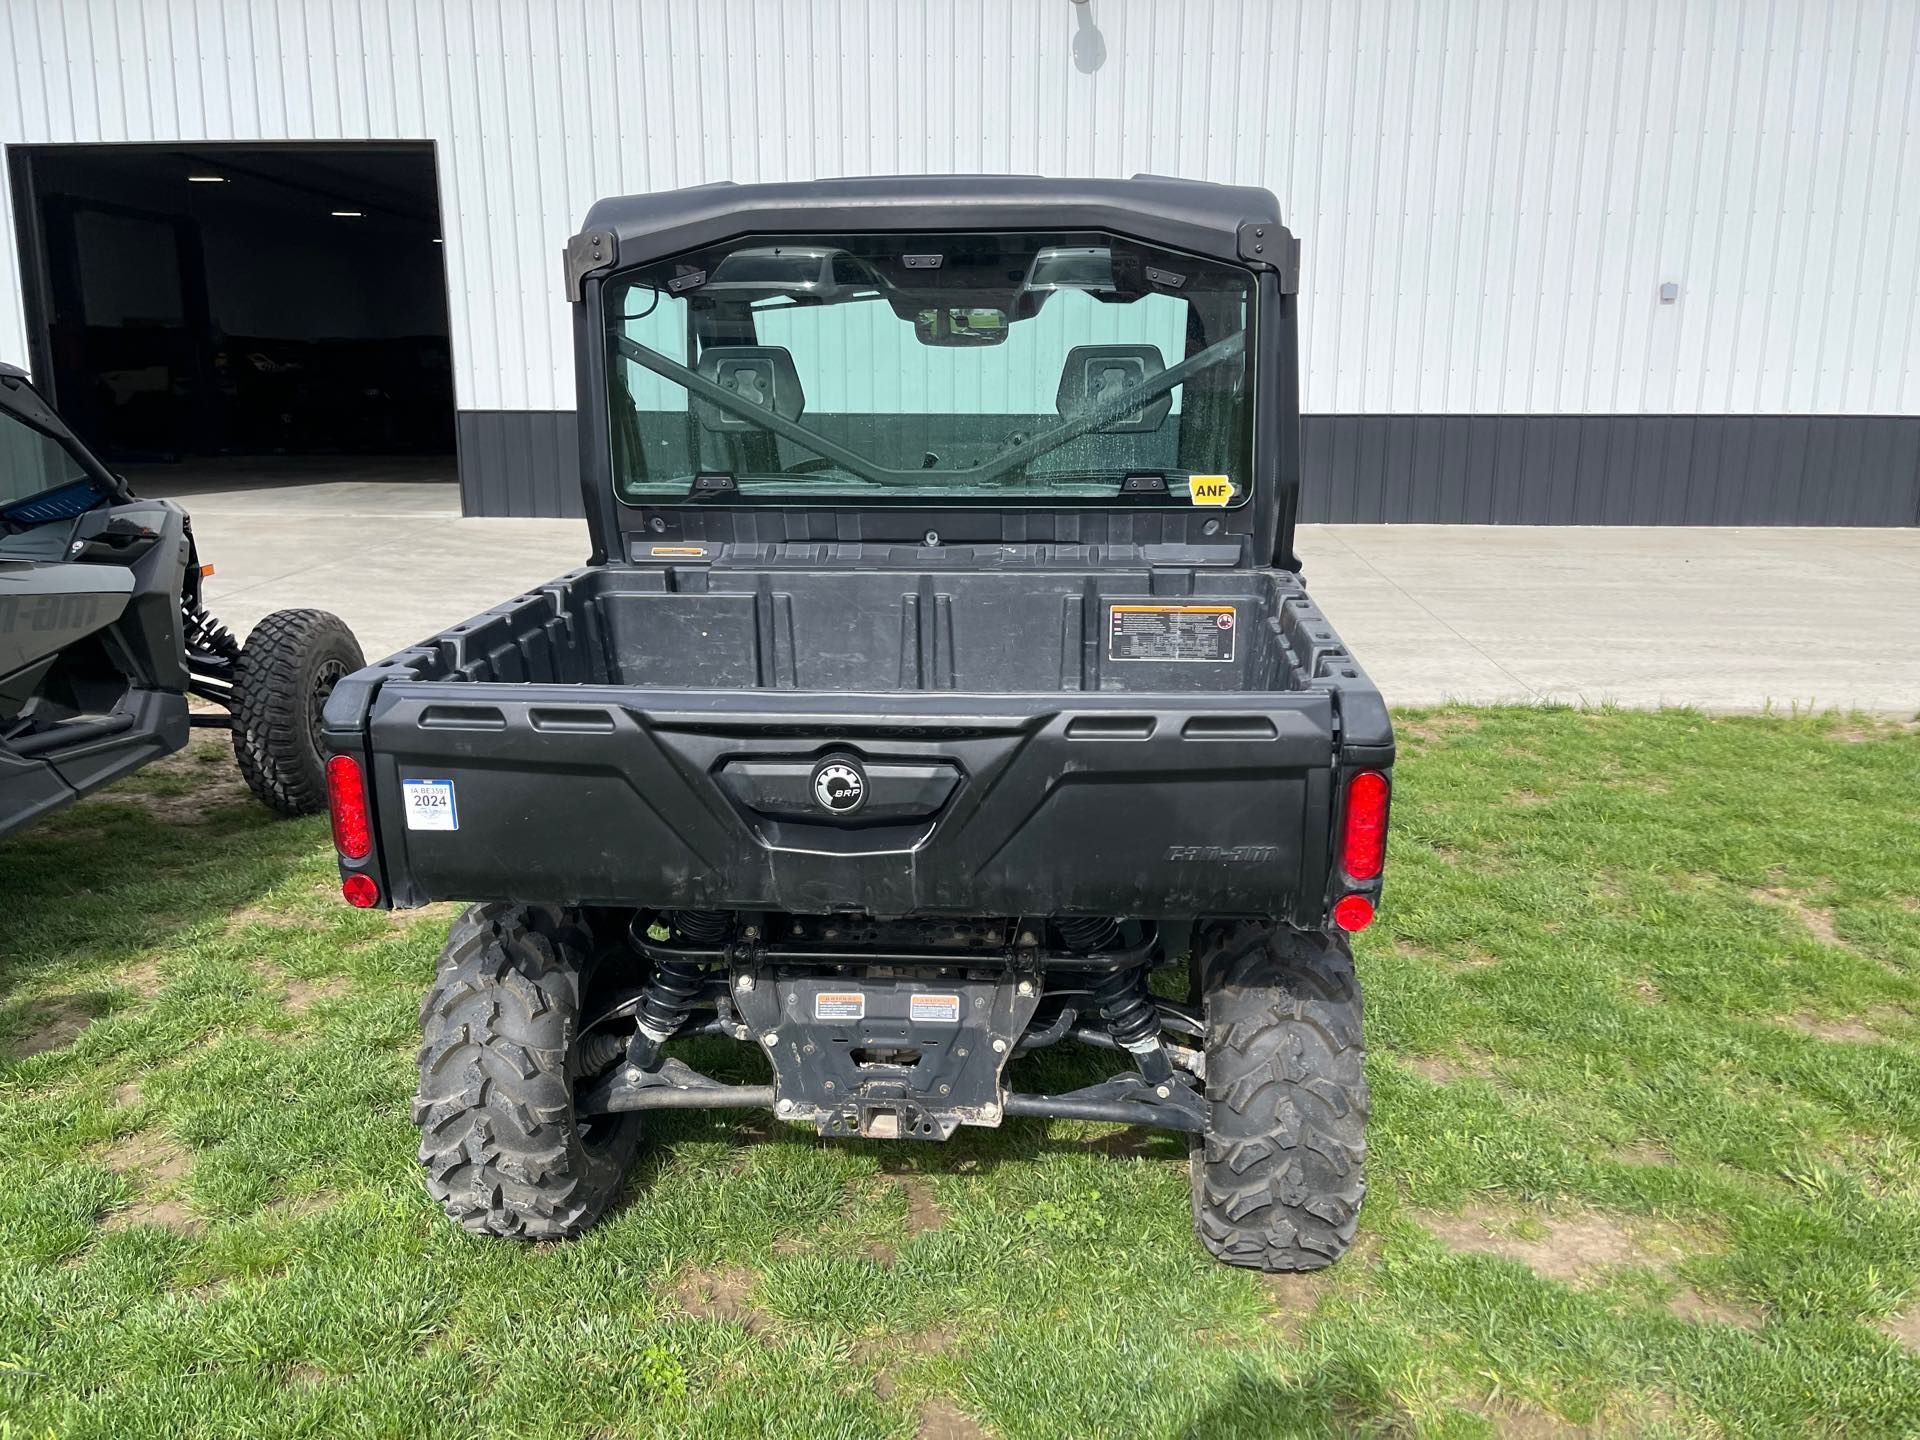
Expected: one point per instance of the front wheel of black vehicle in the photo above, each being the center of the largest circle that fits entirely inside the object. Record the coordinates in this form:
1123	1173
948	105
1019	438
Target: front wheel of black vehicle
1278	1177
281	682
504	1152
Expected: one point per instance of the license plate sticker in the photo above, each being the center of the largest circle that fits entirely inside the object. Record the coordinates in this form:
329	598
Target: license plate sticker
1178	633
840	1005
430	805
934	1009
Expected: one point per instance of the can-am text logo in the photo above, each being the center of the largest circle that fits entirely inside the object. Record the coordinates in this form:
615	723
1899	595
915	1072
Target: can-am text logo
1226	854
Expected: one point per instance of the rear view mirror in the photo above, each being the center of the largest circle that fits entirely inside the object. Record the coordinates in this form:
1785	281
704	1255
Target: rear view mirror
960	325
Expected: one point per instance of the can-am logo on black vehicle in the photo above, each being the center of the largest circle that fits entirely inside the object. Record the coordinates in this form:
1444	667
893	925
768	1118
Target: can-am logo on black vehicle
839	786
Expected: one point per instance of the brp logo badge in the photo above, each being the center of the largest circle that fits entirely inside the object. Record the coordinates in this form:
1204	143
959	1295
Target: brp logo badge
839	786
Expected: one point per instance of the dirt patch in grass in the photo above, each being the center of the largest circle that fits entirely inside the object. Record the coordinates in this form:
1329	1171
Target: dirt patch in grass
155	1164
1435	1069
1850	1029
1292	1299
1451	1069
923	1211
1565	1248
1904	1327
886	1351
942	1420
1817	921
302	995
51	1025
126	1094
1573	1249
1523	1420
1436	727
143	978
1691	1305
721	1295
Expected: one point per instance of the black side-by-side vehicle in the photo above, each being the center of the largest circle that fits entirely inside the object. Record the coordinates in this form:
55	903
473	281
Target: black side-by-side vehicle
104	635
940	671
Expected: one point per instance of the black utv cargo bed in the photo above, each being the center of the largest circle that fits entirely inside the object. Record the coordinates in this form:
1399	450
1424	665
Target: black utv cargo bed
1035	738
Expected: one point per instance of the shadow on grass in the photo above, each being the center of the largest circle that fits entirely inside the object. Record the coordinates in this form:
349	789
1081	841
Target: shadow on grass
92	888
972	1150
1336	1399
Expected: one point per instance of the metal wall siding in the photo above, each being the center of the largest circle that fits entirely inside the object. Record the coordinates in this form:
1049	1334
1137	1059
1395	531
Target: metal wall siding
1612	470
1490	191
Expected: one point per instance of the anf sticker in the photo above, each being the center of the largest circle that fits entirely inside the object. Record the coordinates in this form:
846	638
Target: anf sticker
1210	489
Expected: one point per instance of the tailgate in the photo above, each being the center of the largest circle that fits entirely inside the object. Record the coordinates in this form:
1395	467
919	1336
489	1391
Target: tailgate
967	804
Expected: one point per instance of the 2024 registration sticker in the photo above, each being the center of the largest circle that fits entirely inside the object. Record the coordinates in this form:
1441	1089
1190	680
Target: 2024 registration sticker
430	805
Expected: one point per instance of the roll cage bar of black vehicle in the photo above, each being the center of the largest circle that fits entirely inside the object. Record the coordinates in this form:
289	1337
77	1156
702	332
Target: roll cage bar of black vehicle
1235	225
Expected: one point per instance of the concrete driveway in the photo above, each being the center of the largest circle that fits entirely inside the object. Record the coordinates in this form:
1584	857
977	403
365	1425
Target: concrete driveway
1722	619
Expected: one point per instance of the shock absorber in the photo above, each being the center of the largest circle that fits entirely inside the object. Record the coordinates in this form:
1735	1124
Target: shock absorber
1121	996
703	927
1088	932
666	1000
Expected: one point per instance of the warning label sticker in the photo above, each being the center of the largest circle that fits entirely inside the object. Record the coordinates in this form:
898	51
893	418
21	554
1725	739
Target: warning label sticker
934	1009
845	1005
1170	632
1209	489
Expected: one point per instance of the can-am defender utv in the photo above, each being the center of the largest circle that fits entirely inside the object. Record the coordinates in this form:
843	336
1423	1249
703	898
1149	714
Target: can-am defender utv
941	668
103	636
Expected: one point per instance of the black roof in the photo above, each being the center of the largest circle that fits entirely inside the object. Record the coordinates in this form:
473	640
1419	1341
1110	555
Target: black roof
1192	215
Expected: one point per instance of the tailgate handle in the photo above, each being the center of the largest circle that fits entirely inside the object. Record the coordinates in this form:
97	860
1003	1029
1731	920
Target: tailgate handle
1110	727
463	717
574	720
1229	727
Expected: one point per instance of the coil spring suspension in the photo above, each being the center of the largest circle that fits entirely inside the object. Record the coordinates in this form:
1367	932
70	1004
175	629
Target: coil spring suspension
668	998
1088	932
206	635
670	992
703	927
1132	1021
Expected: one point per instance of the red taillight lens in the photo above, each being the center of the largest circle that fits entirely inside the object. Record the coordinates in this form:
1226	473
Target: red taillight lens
1353	912
347	805
1364	850
360	891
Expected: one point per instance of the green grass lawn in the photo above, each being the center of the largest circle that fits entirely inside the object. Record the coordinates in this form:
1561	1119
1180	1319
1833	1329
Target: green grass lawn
1644	1021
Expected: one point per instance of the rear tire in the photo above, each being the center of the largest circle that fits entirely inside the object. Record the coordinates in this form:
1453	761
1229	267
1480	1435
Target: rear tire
1279	1176
504	1152
281	682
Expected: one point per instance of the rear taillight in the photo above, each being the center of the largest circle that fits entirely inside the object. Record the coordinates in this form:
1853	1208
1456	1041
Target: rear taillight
1363	848
1353	912
347	805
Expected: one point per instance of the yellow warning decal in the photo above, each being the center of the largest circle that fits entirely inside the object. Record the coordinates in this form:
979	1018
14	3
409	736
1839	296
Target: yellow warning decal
1210	489
695	550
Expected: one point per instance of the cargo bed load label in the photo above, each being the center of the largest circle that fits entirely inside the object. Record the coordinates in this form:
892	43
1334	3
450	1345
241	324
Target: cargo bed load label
1170	632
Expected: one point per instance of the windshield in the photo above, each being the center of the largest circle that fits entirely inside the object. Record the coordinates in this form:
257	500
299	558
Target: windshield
30	462
1036	369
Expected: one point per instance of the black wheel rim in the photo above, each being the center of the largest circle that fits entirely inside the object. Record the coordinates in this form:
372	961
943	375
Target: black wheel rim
330	674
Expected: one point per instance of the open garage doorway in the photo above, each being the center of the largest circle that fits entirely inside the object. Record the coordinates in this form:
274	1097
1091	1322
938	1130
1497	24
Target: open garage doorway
242	316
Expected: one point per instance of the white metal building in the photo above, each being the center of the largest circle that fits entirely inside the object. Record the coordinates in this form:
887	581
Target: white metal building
1594	260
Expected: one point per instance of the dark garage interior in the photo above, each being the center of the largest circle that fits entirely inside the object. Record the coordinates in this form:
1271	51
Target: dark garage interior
266	302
